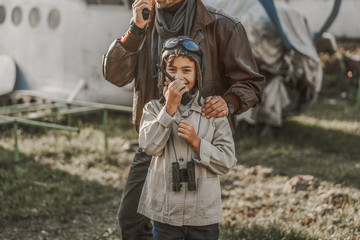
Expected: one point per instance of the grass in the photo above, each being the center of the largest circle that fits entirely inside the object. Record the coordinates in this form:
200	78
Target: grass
63	176
314	143
42	194
271	232
69	189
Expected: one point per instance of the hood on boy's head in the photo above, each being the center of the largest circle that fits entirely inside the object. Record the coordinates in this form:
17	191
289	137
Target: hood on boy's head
180	50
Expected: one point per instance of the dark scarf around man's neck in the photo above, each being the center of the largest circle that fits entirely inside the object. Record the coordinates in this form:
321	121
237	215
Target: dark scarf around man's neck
173	9
169	25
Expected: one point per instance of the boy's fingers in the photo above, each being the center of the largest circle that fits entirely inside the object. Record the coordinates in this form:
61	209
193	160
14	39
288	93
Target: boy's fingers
183	135
184	90
186	127
187	123
182	126
180	87
176	82
183	130
184	123
176	85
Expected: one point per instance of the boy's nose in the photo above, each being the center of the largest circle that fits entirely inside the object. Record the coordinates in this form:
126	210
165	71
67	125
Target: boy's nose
179	75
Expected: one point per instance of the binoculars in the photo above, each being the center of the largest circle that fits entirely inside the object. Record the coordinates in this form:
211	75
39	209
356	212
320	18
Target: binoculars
183	175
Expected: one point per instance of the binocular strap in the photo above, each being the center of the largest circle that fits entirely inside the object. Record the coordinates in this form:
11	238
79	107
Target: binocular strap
185	174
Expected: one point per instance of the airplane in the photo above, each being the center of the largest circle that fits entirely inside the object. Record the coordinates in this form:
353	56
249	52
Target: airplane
55	48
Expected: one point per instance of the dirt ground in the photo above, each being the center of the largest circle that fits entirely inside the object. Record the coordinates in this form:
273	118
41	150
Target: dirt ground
307	199
250	196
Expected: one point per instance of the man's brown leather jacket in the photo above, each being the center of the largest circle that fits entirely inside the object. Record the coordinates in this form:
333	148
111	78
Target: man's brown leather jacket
230	68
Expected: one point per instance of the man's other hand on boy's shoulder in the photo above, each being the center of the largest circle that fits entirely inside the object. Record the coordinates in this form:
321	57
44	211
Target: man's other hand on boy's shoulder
215	106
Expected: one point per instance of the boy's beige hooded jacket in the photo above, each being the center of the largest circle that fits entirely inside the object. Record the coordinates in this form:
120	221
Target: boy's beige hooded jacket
158	137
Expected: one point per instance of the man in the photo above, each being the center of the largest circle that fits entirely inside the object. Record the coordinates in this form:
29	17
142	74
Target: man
232	83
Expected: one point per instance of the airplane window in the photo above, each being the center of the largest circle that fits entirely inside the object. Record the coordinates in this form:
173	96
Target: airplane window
113	2
54	19
2	14
16	15
34	17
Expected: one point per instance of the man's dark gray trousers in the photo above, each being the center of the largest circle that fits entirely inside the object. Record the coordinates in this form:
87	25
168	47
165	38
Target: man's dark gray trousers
135	226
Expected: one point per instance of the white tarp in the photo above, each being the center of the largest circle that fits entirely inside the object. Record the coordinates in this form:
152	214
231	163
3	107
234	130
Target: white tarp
293	77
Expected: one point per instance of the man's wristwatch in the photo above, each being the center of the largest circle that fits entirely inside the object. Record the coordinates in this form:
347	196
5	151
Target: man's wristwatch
230	107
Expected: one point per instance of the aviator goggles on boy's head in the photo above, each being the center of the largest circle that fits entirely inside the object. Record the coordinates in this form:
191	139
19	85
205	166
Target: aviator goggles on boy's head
186	42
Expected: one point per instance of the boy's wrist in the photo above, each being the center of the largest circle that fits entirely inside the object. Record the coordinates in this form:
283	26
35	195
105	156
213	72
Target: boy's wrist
170	109
196	144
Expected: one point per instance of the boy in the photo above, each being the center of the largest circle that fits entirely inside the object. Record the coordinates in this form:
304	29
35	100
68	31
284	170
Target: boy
182	190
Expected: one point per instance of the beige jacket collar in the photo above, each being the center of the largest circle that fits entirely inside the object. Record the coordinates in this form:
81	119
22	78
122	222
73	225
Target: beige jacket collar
194	107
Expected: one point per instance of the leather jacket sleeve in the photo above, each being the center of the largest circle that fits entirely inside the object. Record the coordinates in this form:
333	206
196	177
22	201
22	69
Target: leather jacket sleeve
118	65
241	71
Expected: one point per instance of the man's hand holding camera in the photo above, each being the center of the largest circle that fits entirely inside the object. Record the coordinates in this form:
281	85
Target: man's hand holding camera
138	7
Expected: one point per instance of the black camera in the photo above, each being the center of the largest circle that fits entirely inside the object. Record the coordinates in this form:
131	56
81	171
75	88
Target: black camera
183	175
145	14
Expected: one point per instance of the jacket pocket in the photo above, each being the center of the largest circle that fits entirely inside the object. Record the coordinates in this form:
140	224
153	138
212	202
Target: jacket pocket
155	191
209	197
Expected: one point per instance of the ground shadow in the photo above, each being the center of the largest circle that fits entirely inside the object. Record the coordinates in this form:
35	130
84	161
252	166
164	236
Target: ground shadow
46	203
298	149
327	141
